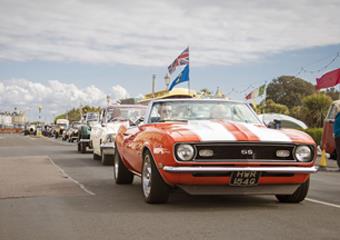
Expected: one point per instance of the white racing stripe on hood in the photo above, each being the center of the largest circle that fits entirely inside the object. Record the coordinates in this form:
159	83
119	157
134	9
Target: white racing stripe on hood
267	134
210	131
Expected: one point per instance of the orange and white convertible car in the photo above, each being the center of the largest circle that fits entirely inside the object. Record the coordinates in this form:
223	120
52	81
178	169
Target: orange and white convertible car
212	147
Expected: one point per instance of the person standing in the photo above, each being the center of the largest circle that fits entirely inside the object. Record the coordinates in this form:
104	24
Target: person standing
336	131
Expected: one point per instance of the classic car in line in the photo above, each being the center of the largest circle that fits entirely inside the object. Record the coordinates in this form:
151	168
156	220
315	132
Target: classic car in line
60	127
89	120
103	134
71	134
212	147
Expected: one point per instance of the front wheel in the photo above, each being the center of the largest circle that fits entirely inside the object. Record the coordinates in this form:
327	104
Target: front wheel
107	160
82	148
154	189
298	196
121	174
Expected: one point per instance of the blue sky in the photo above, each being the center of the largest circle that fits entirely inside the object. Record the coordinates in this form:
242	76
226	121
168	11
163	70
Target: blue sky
66	53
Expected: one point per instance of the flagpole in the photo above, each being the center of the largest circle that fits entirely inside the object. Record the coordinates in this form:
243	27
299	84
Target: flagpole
189	86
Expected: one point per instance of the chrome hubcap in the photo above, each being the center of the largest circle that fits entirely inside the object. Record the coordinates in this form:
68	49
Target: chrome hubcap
146	176
116	166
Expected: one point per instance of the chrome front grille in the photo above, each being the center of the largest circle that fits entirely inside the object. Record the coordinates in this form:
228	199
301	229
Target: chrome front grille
245	151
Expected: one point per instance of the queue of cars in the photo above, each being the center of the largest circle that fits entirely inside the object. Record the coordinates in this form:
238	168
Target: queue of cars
201	146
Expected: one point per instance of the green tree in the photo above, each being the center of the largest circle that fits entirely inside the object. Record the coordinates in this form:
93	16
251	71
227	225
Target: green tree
269	106
289	90
314	109
75	113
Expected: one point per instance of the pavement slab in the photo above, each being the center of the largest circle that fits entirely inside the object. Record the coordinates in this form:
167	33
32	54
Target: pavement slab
34	176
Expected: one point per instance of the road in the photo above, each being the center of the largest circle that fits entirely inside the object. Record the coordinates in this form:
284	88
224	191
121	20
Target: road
50	191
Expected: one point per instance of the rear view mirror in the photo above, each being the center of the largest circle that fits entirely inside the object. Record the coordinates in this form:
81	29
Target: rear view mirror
139	121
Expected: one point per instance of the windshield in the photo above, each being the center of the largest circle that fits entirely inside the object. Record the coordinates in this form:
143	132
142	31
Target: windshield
92	116
62	125
201	110
121	113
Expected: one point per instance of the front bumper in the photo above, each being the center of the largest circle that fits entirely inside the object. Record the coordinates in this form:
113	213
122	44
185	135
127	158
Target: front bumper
190	179
273	189
207	169
107	148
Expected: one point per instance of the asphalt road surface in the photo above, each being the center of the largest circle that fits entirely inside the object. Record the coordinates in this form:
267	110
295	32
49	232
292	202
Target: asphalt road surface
50	191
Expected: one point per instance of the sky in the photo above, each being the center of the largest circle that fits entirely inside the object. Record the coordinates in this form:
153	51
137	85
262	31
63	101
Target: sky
67	53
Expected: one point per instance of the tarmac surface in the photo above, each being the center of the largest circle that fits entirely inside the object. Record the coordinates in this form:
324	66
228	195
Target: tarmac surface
50	191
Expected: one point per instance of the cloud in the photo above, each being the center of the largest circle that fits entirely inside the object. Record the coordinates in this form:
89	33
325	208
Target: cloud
152	33
119	92
55	97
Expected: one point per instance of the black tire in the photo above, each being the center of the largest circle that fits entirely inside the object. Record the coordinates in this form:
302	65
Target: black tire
107	159
82	148
121	174
96	156
333	155
78	147
298	196
158	190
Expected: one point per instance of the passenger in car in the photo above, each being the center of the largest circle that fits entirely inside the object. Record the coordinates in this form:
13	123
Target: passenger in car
218	112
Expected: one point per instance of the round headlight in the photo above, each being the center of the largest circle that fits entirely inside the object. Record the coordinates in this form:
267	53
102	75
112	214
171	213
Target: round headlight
185	152
303	154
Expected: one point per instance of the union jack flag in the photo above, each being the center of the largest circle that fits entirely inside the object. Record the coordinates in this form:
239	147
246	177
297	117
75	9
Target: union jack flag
182	59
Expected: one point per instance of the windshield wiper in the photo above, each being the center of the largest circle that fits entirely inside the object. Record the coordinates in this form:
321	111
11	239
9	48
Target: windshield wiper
173	120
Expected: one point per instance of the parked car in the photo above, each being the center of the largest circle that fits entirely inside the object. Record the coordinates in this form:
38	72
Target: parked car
89	120
60	127
103	134
327	140
212	147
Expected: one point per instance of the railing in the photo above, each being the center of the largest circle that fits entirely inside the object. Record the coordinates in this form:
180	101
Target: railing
10	130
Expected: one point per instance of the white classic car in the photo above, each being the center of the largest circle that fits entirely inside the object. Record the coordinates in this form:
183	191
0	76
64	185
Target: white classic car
103	135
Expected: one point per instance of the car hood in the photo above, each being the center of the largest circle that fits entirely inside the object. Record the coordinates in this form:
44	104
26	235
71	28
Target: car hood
219	131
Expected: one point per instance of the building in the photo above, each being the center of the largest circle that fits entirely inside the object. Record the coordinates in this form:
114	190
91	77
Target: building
5	120
18	119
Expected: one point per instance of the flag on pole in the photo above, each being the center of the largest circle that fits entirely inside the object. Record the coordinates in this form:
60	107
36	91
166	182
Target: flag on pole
258	92
329	79
182	77
182	59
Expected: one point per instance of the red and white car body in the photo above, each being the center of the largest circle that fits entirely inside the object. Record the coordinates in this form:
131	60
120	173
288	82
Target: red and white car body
232	154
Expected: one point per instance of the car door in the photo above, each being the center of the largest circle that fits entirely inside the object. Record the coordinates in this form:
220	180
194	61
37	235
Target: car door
98	132
133	147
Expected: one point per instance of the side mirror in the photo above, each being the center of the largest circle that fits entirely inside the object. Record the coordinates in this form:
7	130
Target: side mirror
275	124
138	121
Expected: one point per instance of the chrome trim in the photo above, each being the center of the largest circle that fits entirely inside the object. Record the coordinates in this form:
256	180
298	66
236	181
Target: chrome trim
84	140
264	189
107	145
204	169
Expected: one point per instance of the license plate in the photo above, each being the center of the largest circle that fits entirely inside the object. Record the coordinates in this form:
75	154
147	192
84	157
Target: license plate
244	178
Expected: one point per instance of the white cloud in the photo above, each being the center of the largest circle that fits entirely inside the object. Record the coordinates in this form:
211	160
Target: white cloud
55	97
119	92
150	33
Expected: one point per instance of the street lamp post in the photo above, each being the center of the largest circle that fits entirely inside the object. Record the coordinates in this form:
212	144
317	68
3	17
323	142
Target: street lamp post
167	80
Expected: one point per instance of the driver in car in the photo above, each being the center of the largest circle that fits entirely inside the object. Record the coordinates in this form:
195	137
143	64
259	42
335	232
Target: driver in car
165	112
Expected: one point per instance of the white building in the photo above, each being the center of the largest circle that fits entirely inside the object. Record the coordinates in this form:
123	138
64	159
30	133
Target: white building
5	120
